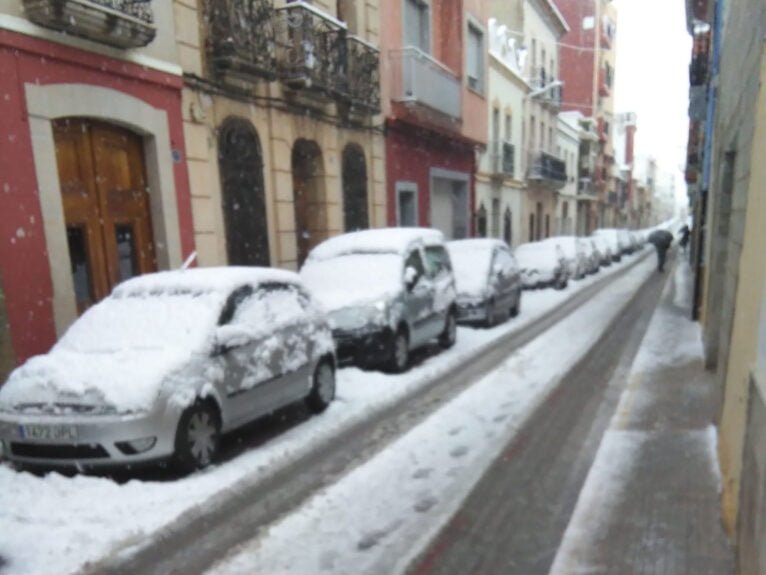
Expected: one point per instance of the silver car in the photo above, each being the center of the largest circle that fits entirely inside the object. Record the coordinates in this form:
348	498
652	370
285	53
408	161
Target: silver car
165	365
488	280
387	292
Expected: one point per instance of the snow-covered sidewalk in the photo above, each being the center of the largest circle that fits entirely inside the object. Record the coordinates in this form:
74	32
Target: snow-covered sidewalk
383	513
56	524
650	502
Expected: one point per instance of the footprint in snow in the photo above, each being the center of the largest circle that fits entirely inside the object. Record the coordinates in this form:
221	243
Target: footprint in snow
327	560
455	430
459	451
424	503
499	418
422	473
374	537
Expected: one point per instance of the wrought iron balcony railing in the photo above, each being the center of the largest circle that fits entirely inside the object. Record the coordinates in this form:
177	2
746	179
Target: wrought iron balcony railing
118	23
363	74
418	78
503	158
242	38
547	168
311	49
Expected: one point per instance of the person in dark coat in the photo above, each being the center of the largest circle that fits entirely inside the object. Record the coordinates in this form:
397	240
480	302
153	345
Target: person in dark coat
661	239
685	233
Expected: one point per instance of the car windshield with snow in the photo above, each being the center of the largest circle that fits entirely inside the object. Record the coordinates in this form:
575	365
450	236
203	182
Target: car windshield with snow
163	366
488	280
387	292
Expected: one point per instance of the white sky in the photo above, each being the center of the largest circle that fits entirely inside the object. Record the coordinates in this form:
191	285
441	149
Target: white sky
652	79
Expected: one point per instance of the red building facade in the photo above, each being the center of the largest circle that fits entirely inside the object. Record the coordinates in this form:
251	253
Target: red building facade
93	183
435	81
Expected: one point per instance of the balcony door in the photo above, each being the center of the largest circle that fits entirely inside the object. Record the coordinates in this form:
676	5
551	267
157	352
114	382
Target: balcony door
417	25
355	211
244	197
106	206
308	197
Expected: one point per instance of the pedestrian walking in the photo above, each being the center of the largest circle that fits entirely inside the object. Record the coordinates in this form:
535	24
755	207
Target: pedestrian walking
661	239
685	232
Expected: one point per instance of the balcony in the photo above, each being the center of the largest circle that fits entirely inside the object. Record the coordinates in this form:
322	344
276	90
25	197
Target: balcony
119	23
419	79
553	97
503	159
241	41
547	169
311	49
604	85
362	86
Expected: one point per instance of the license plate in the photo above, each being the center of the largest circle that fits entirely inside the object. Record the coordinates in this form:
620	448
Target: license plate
49	432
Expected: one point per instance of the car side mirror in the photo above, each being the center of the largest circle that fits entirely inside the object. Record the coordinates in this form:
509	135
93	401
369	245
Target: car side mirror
411	277
230	337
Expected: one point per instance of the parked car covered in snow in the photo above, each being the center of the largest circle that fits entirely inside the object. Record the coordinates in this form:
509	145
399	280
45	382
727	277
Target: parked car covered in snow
387	292
574	253
615	240
166	364
602	250
542	265
487	278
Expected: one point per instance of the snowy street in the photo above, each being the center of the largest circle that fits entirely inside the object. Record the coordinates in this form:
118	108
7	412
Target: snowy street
146	521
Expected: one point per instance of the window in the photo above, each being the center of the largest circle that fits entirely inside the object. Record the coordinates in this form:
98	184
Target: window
531	227
534	55
475	58
495	124
495	231
417	25
481	222
547	225
532	141
437	260
542	135
406	204
415	262
508	226
271	305
507	134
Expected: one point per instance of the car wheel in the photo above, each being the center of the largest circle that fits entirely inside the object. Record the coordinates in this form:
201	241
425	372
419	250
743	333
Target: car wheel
323	387
400	352
489	315
516	309
197	437
449	335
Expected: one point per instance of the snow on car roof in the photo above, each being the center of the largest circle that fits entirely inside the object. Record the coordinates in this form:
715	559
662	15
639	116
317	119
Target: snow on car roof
476	244
203	280
383	240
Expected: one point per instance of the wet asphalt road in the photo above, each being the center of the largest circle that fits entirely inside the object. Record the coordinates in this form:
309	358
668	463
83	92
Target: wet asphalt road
193	543
515	518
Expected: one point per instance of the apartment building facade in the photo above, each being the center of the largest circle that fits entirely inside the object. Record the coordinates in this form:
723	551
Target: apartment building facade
500	187
729	62
435	88
588	57
568	148
280	107
92	159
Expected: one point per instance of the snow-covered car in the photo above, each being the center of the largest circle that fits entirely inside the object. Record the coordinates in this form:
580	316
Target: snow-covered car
162	367
615	240
573	251
592	255
387	292
601	246
542	265
487	278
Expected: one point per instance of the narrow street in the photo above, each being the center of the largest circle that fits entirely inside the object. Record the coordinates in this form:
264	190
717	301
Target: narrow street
201	536
515	517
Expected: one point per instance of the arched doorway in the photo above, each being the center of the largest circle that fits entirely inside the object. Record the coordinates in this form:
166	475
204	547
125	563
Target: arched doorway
106	206
244	198
308	197
355	211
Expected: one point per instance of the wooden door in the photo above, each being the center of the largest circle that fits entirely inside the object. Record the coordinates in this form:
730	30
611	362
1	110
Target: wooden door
106	206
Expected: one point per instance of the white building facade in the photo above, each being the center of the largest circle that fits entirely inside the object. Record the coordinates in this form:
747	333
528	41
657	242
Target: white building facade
500	201
567	148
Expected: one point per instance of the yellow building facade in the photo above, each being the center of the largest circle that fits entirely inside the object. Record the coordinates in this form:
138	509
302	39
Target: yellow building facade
281	123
